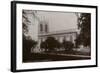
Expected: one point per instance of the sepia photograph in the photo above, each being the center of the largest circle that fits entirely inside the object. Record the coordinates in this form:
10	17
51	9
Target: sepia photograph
55	36
48	36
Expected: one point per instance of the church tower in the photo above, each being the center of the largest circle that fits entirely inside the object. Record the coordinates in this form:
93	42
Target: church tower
43	27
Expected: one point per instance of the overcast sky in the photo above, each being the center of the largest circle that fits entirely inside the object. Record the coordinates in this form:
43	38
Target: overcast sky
58	20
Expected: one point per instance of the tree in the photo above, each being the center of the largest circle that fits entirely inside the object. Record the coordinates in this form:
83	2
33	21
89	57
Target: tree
58	44
28	43
50	43
84	26
68	45
43	45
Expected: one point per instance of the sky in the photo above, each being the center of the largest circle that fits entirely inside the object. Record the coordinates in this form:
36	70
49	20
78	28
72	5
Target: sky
58	20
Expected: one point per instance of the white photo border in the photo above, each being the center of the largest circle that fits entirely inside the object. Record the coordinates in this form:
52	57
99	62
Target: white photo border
54	64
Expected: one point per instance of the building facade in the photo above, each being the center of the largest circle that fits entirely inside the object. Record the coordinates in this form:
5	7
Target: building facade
67	35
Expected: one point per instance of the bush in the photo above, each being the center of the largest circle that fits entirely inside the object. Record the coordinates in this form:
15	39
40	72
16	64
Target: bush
27	45
68	45
50	43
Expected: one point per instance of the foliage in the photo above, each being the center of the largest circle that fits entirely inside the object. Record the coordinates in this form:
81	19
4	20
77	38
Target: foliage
85	30
43	45
68	45
28	43
50	43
